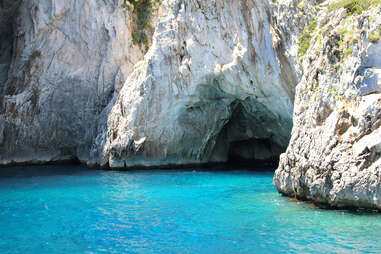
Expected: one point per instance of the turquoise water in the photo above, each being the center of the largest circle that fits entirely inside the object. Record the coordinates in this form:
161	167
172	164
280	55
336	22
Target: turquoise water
69	209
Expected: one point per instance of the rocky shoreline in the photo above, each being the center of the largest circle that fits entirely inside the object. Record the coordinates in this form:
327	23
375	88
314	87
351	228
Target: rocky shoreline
198	83
333	157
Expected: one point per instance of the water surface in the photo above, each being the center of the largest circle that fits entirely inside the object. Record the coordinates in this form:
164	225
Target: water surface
70	209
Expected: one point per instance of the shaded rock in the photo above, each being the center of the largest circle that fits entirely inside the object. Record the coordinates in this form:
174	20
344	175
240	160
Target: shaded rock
63	61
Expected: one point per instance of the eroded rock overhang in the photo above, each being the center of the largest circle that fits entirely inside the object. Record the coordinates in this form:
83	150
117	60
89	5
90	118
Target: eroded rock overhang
216	85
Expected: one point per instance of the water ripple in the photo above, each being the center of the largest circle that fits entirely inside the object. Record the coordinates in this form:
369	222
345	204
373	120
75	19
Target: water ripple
82	211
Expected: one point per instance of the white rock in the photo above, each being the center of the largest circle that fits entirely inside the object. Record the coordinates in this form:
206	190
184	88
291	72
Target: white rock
343	119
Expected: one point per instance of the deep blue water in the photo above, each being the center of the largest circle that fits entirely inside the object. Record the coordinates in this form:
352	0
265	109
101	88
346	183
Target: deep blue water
69	209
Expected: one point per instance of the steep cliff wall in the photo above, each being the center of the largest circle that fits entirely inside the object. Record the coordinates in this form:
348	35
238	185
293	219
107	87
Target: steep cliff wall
60	63
216	84
334	153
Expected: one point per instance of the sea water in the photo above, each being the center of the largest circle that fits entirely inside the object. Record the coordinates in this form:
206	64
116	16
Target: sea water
71	209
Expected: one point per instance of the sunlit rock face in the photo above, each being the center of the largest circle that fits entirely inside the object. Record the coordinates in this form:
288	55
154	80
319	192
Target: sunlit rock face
334	153
60	63
215	84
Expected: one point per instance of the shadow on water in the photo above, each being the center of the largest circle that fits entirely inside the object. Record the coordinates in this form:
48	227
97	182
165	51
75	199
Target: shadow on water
232	165
43	170
75	168
324	207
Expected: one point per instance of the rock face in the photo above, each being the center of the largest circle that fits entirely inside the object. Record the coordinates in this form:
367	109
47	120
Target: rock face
60	63
215	85
334	153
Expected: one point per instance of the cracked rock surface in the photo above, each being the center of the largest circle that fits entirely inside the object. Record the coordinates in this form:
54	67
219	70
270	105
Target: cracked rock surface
216	83
60	63
334	153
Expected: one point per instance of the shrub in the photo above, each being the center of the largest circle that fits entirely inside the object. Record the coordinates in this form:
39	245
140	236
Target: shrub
353	6
142	11
375	36
348	51
135	37
347	39
305	37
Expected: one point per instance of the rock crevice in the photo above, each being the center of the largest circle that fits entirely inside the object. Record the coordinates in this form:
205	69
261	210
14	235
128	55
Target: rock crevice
67	59
209	67
334	157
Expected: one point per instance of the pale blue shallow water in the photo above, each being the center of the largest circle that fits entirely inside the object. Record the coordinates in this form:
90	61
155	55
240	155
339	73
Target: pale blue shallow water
69	209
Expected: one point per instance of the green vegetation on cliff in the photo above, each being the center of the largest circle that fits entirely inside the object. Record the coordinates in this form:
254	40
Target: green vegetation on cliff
375	36
347	39
305	37
353	6
142	12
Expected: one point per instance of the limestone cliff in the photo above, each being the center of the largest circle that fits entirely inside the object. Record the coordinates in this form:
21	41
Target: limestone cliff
334	153
217	83
61	62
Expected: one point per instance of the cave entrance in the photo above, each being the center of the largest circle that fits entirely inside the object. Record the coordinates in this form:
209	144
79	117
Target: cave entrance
254	152
252	137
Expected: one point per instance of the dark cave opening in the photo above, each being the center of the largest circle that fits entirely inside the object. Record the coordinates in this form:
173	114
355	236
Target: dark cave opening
254	153
250	138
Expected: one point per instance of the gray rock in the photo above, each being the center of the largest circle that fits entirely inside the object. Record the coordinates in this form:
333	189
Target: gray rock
1	134
369	82
218	81
215	83
334	154
68	58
